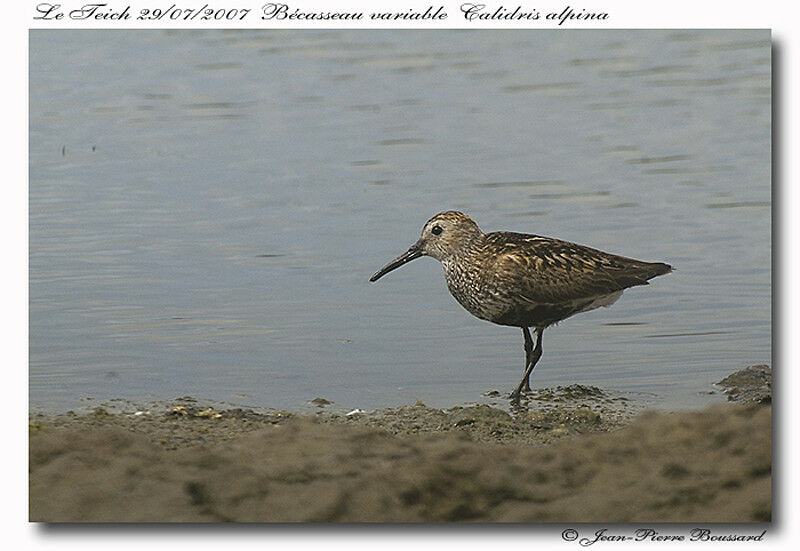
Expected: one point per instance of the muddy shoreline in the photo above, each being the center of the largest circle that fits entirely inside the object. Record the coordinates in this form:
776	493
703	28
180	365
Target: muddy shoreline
568	454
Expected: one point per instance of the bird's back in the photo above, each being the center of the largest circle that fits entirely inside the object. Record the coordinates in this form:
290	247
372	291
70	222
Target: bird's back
549	270
530	280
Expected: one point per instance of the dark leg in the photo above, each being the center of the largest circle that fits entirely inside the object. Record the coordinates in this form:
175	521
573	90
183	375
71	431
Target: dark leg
530	360
528	351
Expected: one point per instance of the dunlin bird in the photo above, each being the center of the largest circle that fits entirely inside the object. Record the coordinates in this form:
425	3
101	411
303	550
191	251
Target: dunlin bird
523	280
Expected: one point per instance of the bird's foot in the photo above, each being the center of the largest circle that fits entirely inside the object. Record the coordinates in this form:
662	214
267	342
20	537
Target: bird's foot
518	392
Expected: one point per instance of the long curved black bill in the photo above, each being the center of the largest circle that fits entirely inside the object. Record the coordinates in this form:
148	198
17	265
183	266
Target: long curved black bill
413	252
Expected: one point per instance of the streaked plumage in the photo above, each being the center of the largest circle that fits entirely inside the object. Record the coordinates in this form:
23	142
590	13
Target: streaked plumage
523	280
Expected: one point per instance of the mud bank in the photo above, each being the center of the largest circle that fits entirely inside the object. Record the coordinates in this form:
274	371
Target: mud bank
572	454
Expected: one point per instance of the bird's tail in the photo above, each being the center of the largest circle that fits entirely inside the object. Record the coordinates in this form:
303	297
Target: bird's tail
656	269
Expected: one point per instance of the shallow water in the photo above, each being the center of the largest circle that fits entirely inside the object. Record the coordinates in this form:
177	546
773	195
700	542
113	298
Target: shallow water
207	207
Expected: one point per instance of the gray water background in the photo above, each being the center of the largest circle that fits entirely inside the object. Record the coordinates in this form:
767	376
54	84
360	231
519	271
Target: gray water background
206	208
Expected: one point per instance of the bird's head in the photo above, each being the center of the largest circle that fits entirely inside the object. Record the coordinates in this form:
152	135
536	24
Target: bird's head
445	235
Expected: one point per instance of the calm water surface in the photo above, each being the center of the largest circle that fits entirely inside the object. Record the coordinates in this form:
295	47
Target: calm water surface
207	207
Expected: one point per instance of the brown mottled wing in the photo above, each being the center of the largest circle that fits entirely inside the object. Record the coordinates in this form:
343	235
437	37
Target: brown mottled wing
543	270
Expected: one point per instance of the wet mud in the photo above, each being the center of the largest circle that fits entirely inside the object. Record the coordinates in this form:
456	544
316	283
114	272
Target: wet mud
568	454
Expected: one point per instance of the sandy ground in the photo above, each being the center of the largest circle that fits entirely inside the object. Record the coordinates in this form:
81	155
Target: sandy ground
571	454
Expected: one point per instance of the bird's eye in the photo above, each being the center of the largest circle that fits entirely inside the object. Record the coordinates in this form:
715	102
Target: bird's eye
436	230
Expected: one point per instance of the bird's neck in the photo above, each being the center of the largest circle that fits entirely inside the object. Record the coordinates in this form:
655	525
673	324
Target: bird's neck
468	248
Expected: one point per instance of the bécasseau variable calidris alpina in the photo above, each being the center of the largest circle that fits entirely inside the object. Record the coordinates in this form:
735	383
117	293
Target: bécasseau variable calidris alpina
523	280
